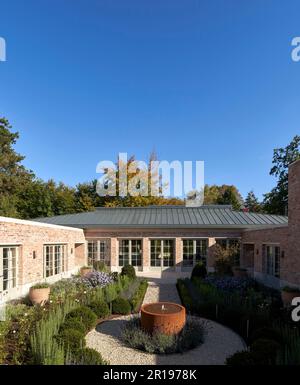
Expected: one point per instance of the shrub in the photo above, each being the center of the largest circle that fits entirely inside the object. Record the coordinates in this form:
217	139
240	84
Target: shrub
191	336
110	293
121	306
100	308
199	270
87	356
97	279
73	323
289	289
100	266
266	333
137	298
71	339
85	315
41	285
265	351
129	271
243	358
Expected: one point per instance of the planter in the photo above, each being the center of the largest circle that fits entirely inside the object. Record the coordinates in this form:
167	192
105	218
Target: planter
164	317
85	270
240	273
287	296
39	296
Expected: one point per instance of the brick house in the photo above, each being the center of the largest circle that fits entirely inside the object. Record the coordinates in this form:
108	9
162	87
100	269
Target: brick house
153	239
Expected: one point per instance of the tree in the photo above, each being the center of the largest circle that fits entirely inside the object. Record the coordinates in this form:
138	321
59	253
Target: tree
276	201
252	203
223	195
13	175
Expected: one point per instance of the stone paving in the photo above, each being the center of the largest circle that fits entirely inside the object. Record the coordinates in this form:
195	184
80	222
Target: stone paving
219	343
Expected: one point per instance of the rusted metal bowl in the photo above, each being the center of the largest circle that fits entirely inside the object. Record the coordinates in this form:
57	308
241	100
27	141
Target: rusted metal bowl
164	317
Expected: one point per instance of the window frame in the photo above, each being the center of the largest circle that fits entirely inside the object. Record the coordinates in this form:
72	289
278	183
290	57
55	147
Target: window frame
12	268
196	243
57	255
127	255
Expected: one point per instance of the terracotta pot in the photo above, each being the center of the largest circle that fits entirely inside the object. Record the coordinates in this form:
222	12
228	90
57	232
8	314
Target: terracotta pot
164	317
287	297
39	296
240	273
85	270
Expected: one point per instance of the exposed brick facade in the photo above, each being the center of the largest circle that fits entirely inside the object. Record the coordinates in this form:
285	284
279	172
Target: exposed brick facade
30	238
288	238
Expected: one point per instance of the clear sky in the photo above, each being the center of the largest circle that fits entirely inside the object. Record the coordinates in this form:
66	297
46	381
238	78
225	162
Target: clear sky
208	80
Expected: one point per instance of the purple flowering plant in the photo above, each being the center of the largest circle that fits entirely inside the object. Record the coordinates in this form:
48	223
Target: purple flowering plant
97	279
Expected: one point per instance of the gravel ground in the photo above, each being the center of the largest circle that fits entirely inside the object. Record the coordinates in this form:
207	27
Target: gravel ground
219	343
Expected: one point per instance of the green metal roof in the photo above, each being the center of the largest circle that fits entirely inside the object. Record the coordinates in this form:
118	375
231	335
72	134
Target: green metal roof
218	216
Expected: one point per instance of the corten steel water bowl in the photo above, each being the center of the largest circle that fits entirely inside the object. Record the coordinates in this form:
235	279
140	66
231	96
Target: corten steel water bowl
164	317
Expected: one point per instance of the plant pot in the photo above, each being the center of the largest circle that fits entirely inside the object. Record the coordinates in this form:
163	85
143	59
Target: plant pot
287	297
39	296
239	273
85	270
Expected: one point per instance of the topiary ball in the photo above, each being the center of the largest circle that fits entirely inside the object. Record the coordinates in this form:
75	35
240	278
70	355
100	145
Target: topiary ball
100	308
129	271
84	315
71	339
121	306
199	270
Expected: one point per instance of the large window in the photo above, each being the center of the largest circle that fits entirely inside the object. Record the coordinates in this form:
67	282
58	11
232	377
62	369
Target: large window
271	260
8	268
97	251
54	259
130	252
162	253
194	251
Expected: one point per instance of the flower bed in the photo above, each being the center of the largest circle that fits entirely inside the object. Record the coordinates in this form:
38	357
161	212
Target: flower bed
30	335
158	343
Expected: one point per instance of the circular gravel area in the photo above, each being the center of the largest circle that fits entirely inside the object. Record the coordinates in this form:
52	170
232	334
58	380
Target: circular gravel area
219	343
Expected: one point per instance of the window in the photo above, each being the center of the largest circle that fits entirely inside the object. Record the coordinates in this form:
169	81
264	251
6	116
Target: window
194	250
162	253
271	260
8	268
130	252
97	251
54	259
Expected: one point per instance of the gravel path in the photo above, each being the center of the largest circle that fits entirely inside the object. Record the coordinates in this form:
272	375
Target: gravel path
220	342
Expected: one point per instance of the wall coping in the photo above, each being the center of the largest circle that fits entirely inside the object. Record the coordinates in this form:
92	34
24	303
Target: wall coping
38	224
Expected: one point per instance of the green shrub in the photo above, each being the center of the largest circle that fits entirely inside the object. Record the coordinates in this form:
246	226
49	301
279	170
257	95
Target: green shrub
100	266
199	270
129	271
121	306
73	323
87	356
42	285
266	333
138	297
71	339
135	337
243	358
85	315
265	351
110	293
100	308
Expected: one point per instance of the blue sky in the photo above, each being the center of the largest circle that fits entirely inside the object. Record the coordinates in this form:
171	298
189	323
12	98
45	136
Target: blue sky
208	80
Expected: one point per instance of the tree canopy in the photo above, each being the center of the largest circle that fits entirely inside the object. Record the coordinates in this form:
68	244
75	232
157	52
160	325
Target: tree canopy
276	201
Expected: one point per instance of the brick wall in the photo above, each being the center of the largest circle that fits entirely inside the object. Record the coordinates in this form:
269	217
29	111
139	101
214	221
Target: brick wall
288	237
30	237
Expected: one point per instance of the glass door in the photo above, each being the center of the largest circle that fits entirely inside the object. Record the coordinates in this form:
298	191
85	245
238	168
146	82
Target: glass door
8	268
162	253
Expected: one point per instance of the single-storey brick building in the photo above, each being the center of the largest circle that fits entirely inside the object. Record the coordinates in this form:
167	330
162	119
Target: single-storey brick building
159	238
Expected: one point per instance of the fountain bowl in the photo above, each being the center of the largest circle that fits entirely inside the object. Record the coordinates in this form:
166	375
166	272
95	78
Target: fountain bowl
163	317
